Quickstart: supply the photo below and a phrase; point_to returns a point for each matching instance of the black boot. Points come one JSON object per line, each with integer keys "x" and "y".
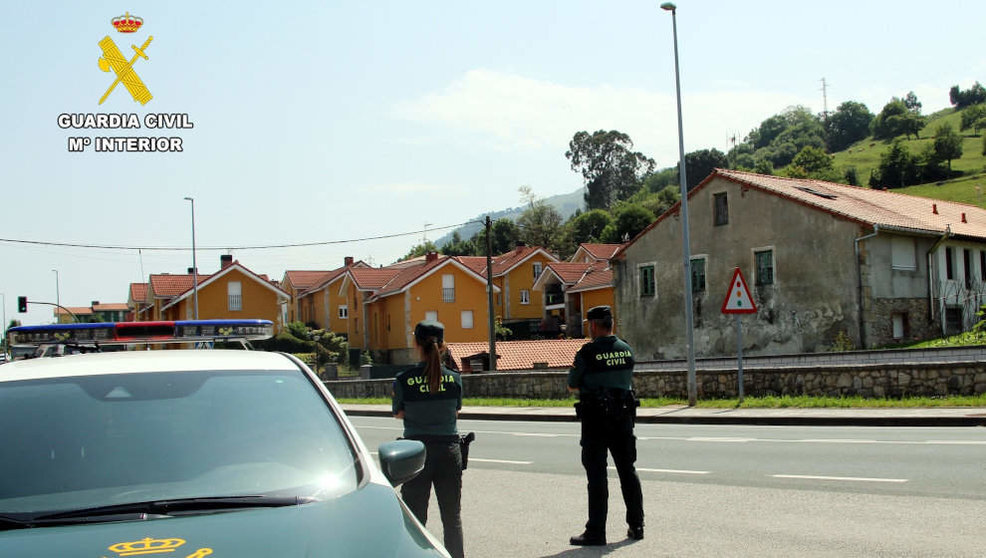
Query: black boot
{"x": 636, "y": 533}
{"x": 588, "y": 538}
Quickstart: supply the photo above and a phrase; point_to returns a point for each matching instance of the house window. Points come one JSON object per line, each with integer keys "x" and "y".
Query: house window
{"x": 949, "y": 264}
{"x": 698, "y": 275}
{"x": 967, "y": 267}
{"x": 647, "y": 286}
{"x": 537, "y": 270}
{"x": 234, "y": 290}
{"x": 764, "y": 260}
{"x": 721, "y": 209}
{"x": 448, "y": 288}
{"x": 982, "y": 265}
{"x": 903, "y": 256}
{"x": 525, "y": 296}
{"x": 343, "y": 312}
{"x": 431, "y": 316}
{"x": 467, "y": 319}
{"x": 899, "y": 326}
{"x": 953, "y": 320}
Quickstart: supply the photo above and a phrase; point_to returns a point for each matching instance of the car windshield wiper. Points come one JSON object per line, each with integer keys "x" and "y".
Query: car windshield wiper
{"x": 168, "y": 507}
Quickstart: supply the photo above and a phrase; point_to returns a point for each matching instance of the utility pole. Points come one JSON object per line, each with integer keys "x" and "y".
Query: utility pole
{"x": 825, "y": 101}
{"x": 489, "y": 291}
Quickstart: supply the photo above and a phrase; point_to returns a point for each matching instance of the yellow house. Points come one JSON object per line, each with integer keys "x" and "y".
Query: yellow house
{"x": 232, "y": 292}
{"x": 391, "y": 300}
{"x": 324, "y": 304}
{"x": 295, "y": 282}
{"x": 162, "y": 288}
{"x": 137, "y": 302}
{"x": 515, "y": 273}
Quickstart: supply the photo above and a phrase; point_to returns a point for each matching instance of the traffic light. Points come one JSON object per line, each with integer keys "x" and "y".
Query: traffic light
{"x": 22, "y": 304}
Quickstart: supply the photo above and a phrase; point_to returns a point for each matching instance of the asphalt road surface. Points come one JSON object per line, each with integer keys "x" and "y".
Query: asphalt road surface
{"x": 727, "y": 490}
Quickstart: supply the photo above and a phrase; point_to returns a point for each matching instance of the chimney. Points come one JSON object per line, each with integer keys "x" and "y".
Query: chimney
{"x": 348, "y": 261}
{"x": 963, "y": 217}
{"x": 96, "y": 302}
{"x": 934, "y": 208}
{"x": 192, "y": 270}
{"x": 520, "y": 245}
{"x": 225, "y": 260}
{"x": 431, "y": 257}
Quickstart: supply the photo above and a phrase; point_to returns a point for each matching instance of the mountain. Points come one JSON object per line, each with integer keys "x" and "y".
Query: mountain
{"x": 565, "y": 204}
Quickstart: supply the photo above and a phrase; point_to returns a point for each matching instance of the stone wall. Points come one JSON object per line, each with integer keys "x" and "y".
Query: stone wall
{"x": 873, "y": 381}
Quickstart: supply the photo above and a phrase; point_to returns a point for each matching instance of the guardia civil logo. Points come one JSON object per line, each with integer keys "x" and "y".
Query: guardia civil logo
{"x": 112, "y": 59}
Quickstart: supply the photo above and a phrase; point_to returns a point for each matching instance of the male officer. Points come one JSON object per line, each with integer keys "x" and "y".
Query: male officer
{"x": 602, "y": 375}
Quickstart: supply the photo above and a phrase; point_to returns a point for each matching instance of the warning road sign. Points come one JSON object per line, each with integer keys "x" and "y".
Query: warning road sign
{"x": 738, "y": 300}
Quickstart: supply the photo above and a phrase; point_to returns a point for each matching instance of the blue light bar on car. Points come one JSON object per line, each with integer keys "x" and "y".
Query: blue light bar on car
{"x": 105, "y": 333}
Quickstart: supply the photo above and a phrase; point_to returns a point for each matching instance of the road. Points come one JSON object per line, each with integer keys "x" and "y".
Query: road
{"x": 729, "y": 490}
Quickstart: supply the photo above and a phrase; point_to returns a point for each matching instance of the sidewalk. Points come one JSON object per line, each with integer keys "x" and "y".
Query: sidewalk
{"x": 934, "y": 416}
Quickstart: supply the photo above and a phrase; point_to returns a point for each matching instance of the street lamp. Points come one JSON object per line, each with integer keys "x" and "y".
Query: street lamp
{"x": 195, "y": 267}
{"x": 686, "y": 250}
{"x": 58, "y": 297}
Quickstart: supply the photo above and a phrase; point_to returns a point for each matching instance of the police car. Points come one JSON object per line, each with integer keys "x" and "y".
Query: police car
{"x": 190, "y": 453}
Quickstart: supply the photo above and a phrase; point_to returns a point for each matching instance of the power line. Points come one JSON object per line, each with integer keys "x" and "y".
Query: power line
{"x": 226, "y": 247}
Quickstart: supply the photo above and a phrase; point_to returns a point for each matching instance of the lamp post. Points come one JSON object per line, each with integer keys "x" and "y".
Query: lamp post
{"x": 58, "y": 297}
{"x": 195, "y": 267}
{"x": 686, "y": 250}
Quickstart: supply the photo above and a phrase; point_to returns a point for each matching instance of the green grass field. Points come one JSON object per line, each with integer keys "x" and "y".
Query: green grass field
{"x": 969, "y": 188}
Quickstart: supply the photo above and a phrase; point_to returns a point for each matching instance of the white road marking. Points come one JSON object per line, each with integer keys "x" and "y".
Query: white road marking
{"x": 534, "y": 435}
{"x": 847, "y": 479}
{"x": 720, "y": 439}
{"x": 670, "y": 471}
{"x": 504, "y": 461}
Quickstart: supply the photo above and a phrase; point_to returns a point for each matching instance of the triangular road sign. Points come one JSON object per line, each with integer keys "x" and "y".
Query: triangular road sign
{"x": 738, "y": 300}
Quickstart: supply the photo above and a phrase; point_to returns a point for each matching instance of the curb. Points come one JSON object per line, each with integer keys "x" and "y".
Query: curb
{"x": 758, "y": 420}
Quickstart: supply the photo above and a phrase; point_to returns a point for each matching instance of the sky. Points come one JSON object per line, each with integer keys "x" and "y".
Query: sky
{"x": 327, "y": 123}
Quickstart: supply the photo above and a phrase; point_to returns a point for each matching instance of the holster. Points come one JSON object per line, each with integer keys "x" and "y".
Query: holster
{"x": 464, "y": 442}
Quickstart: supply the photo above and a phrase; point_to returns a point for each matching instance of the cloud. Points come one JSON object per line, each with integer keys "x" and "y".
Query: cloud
{"x": 515, "y": 112}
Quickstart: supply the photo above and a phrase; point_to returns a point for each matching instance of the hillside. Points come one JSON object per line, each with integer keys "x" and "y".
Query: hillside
{"x": 865, "y": 156}
{"x": 565, "y": 204}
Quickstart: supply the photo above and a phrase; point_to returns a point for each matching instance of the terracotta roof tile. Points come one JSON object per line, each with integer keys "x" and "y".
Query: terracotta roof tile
{"x": 138, "y": 292}
{"x": 475, "y": 263}
{"x": 406, "y": 275}
{"x": 600, "y": 251}
{"x": 77, "y": 310}
{"x": 302, "y": 280}
{"x": 599, "y": 275}
{"x": 569, "y": 272}
{"x": 167, "y": 286}
{"x": 521, "y": 355}
{"x": 373, "y": 278}
{"x": 110, "y": 307}
{"x": 503, "y": 262}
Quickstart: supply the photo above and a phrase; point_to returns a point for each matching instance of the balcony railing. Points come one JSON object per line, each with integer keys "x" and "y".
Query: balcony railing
{"x": 551, "y": 299}
{"x": 235, "y": 302}
{"x": 448, "y": 294}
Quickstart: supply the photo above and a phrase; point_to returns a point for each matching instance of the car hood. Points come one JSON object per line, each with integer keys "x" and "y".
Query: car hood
{"x": 367, "y": 522}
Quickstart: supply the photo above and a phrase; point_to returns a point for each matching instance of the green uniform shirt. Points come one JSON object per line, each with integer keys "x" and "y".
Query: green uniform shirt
{"x": 428, "y": 416}
{"x": 604, "y": 362}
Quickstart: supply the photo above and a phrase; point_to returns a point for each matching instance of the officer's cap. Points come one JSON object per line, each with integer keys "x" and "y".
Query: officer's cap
{"x": 599, "y": 313}
{"x": 429, "y": 328}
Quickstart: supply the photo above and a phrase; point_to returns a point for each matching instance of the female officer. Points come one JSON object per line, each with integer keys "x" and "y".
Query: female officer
{"x": 428, "y": 398}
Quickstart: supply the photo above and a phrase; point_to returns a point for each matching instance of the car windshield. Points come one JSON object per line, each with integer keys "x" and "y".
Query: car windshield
{"x": 80, "y": 442}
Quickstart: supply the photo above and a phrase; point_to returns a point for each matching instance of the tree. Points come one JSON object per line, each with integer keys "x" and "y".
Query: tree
{"x": 912, "y": 103}
{"x": 458, "y": 247}
{"x": 898, "y": 168}
{"x": 629, "y": 221}
{"x": 948, "y": 144}
{"x": 961, "y": 99}
{"x": 611, "y": 169}
{"x": 505, "y": 235}
{"x": 847, "y": 125}
{"x": 896, "y": 119}
{"x": 657, "y": 181}
{"x": 974, "y": 116}
{"x": 812, "y": 162}
{"x": 540, "y": 223}
{"x": 420, "y": 250}
{"x": 589, "y": 226}
{"x": 700, "y": 164}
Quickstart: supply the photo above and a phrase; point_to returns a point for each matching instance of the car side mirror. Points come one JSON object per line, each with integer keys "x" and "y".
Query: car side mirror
{"x": 401, "y": 460}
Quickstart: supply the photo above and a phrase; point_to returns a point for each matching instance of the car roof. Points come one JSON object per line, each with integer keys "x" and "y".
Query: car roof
{"x": 122, "y": 362}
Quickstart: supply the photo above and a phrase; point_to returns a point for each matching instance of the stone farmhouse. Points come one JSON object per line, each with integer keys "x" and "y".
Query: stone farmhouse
{"x": 826, "y": 264}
